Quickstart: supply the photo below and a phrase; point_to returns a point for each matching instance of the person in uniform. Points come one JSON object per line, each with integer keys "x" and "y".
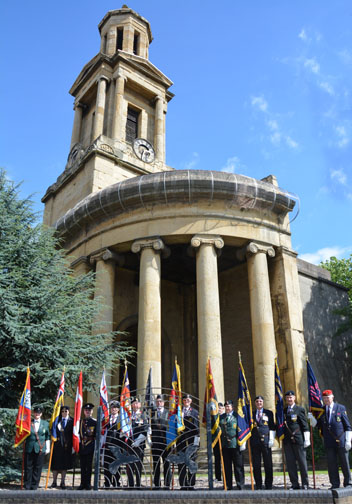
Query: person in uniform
{"x": 112, "y": 439}
{"x": 62, "y": 453}
{"x": 159, "y": 424}
{"x": 37, "y": 445}
{"x": 86, "y": 447}
{"x": 296, "y": 440}
{"x": 231, "y": 451}
{"x": 139, "y": 435}
{"x": 189, "y": 436}
{"x": 262, "y": 440}
{"x": 337, "y": 434}
{"x": 216, "y": 449}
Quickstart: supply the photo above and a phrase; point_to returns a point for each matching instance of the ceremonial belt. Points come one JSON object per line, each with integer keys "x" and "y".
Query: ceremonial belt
{"x": 36, "y": 435}
{"x": 292, "y": 434}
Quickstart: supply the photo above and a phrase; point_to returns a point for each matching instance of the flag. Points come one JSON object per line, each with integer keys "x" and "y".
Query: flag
{"x": 210, "y": 398}
{"x": 314, "y": 395}
{"x": 244, "y": 408}
{"x": 77, "y": 417}
{"x": 57, "y": 408}
{"x": 104, "y": 403}
{"x": 149, "y": 397}
{"x": 23, "y": 420}
{"x": 125, "y": 406}
{"x": 175, "y": 420}
{"x": 279, "y": 403}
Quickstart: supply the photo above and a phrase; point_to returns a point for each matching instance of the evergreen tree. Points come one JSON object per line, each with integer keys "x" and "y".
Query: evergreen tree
{"x": 46, "y": 320}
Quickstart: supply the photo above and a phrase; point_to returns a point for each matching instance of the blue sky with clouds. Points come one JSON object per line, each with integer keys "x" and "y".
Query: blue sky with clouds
{"x": 262, "y": 87}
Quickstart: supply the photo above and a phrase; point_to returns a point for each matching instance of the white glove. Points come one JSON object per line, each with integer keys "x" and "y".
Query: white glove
{"x": 272, "y": 435}
{"x": 138, "y": 441}
{"x": 243, "y": 447}
{"x": 306, "y": 439}
{"x": 47, "y": 446}
{"x": 312, "y": 420}
{"x": 196, "y": 440}
{"x": 348, "y": 440}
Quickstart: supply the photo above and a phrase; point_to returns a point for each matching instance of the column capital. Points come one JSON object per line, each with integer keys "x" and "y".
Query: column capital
{"x": 281, "y": 251}
{"x": 155, "y": 243}
{"x": 79, "y": 261}
{"x": 120, "y": 75}
{"x": 106, "y": 254}
{"x": 78, "y": 104}
{"x": 215, "y": 240}
{"x": 157, "y": 98}
{"x": 103, "y": 77}
{"x": 256, "y": 248}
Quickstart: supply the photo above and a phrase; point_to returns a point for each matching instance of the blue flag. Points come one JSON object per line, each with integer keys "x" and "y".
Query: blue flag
{"x": 175, "y": 420}
{"x": 314, "y": 395}
{"x": 279, "y": 403}
{"x": 244, "y": 409}
{"x": 57, "y": 409}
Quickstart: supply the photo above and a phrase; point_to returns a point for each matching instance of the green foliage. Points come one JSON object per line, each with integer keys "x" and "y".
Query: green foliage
{"x": 341, "y": 272}
{"x": 46, "y": 318}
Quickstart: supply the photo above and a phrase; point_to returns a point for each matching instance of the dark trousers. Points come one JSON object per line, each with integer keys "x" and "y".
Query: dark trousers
{"x": 159, "y": 454}
{"x": 86, "y": 461}
{"x": 334, "y": 455}
{"x": 260, "y": 450}
{"x": 233, "y": 456}
{"x": 217, "y": 462}
{"x": 296, "y": 453}
{"x": 33, "y": 464}
{"x": 109, "y": 478}
{"x": 185, "y": 477}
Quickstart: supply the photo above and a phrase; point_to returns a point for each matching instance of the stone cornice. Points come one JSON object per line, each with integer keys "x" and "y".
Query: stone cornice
{"x": 106, "y": 254}
{"x": 187, "y": 187}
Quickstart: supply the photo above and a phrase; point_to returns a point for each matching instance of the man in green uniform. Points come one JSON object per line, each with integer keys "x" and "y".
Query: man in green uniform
{"x": 37, "y": 445}
{"x": 231, "y": 451}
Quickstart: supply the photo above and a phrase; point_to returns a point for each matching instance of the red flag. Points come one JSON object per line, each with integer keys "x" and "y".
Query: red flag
{"x": 77, "y": 418}
{"x": 23, "y": 420}
{"x": 104, "y": 403}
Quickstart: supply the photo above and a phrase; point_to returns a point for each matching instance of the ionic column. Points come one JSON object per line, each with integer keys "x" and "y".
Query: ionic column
{"x": 105, "y": 262}
{"x": 100, "y": 108}
{"x": 117, "y": 119}
{"x": 208, "y": 311}
{"x": 263, "y": 334}
{"x": 149, "y": 310}
{"x": 77, "y": 124}
{"x": 159, "y": 128}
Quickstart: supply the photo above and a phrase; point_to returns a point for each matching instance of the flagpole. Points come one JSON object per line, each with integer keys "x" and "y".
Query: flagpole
{"x": 23, "y": 455}
{"x": 250, "y": 464}
{"x": 49, "y": 466}
{"x": 222, "y": 464}
{"x": 313, "y": 461}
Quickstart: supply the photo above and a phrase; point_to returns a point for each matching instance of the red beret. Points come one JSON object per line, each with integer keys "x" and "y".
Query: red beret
{"x": 327, "y": 392}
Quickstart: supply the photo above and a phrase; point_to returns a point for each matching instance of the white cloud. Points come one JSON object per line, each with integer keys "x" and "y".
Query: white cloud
{"x": 346, "y": 56}
{"x": 312, "y": 65}
{"x": 291, "y": 143}
{"x": 272, "y": 124}
{"x": 339, "y": 176}
{"x": 325, "y": 253}
{"x": 275, "y": 138}
{"x": 303, "y": 35}
{"x": 260, "y": 103}
{"x": 189, "y": 165}
{"x": 325, "y": 86}
{"x": 233, "y": 165}
{"x": 342, "y": 135}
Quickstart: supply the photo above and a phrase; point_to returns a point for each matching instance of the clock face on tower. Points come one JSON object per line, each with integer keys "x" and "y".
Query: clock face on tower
{"x": 143, "y": 150}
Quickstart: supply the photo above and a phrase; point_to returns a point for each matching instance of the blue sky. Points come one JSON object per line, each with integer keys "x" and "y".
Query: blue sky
{"x": 262, "y": 87}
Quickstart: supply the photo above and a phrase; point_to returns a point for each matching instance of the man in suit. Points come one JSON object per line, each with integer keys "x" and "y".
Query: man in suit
{"x": 112, "y": 439}
{"x": 262, "y": 440}
{"x": 87, "y": 445}
{"x": 159, "y": 424}
{"x": 231, "y": 451}
{"x": 37, "y": 445}
{"x": 296, "y": 440}
{"x": 188, "y": 437}
{"x": 337, "y": 434}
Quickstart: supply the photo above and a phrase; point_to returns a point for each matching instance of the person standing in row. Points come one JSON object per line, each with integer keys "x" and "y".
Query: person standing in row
{"x": 216, "y": 449}
{"x": 37, "y": 445}
{"x": 112, "y": 440}
{"x": 296, "y": 440}
{"x": 189, "y": 436}
{"x": 139, "y": 435}
{"x": 262, "y": 440}
{"x": 232, "y": 452}
{"x": 87, "y": 445}
{"x": 159, "y": 424}
{"x": 62, "y": 453}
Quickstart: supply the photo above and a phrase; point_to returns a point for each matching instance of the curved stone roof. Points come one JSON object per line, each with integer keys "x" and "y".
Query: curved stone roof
{"x": 178, "y": 186}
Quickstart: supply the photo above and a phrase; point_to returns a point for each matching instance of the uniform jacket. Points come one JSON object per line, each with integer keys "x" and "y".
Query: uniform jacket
{"x": 295, "y": 424}
{"x": 87, "y": 432}
{"x": 113, "y": 430}
{"x": 65, "y": 434}
{"x": 159, "y": 426}
{"x": 333, "y": 432}
{"x": 191, "y": 423}
{"x": 228, "y": 424}
{"x": 139, "y": 425}
{"x": 43, "y": 435}
{"x": 260, "y": 432}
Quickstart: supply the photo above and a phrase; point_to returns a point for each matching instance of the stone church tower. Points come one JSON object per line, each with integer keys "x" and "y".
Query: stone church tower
{"x": 191, "y": 263}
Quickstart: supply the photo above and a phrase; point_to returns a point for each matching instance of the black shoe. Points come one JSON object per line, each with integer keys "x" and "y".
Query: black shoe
{"x": 333, "y": 487}
{"x": 53, "y": 484}
{"x": 63, "y": 486}
{"x": 88, "y": 487}
{"x": 294, "y": 488}
{"x": 268, "y": 488}
{"x": 81, "y": 487}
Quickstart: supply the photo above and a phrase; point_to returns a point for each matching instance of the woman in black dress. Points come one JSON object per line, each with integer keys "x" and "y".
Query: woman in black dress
{"x": 62, "y": 454}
